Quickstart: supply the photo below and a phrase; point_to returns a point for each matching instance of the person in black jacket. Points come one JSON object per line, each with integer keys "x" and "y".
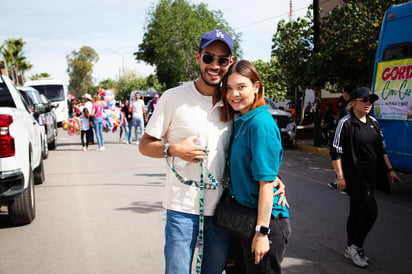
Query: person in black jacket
{"x": 361, "y": 165}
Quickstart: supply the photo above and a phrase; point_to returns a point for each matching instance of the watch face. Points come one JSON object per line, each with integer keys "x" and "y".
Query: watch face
{"x": 264, "y": 230}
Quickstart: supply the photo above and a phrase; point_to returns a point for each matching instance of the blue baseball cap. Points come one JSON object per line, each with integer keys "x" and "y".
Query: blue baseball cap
{"x": 216, "y": 35}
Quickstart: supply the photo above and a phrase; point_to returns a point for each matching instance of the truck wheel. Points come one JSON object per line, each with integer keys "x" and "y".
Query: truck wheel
{"x": 39, "y": 174}
{"x": 45, "y": 150}
{"x": 22, "y": 210}
{"x": 52, "y": 144}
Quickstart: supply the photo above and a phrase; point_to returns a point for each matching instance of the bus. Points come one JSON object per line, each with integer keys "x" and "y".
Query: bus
{"x": 392, "y": 82}
{"x": 56, "y": 92}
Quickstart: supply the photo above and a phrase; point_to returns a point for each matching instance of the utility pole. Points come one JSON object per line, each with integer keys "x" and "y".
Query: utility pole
{"x": 318, "y": 93}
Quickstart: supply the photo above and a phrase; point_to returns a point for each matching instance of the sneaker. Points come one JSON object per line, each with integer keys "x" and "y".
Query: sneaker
{"x": 84, "y": 149}
{"x": 348, "y": 252}
{"x": 343, "y": 192}
{"x": 357, "y": 255}
{"x": 102, "y": 148}
{"x": 333, "y": 184}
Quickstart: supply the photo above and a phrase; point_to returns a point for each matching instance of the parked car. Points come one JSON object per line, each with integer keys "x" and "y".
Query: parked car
{"x": 48, "y": 119}
{"x": 21, "y": 162}
{"x": 285, "y": 122}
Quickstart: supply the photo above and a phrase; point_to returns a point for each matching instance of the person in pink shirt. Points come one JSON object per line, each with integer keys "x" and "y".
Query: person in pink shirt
{"x": 97, "y": 113}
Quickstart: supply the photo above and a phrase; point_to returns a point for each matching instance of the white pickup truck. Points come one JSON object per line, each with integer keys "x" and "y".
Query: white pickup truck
{"x": 21, "y": 162}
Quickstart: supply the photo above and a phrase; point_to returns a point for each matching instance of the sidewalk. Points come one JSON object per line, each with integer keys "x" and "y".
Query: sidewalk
{"x": 304, "y": 141}
{"x": 307, "y": 145}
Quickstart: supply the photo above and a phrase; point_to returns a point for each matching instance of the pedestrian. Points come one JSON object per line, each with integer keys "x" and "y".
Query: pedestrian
{"x": 87, "y": 103}
{"x": 361, "y": 165}
{"x": 254, "y": 168}
{"x": 85, "y": 128}
{"x": 97, "y": 113}
{"x": 343, "y": 107}
{"x": 138, "y": 117}
{"x": 182, "y": 118}
{"x": 127, "y": 121}
{"x": 329, "y": 124}
{"x": 124, "y": 126}
{"x": 152, "y": 106}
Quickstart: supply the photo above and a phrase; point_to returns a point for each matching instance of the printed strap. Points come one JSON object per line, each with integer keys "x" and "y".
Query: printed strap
{"x": 202, "y": 186}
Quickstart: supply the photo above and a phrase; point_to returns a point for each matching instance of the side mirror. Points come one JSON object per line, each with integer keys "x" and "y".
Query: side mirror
{"x": 40, "y": 108}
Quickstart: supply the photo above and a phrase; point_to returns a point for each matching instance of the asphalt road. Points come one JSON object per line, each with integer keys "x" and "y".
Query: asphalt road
{"x": 101, "y": 212}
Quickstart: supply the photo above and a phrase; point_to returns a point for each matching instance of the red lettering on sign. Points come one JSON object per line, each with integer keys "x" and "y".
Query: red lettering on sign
{"x": 397, "y": 73}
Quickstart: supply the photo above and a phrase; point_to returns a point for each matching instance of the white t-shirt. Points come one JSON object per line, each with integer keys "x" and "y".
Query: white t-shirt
{"x": 138, "y": 109}
{"x": 180, "y": 113}
{"x": 84, "y": 123}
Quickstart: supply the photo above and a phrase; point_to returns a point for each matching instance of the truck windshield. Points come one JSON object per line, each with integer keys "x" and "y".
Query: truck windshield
{"x": 53, "y": 92}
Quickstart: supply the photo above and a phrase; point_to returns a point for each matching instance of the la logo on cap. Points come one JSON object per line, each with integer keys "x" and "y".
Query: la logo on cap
{"x": 219, "y": 34}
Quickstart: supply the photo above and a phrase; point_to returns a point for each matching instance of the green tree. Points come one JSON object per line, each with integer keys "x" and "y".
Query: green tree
{"x": 130, "y": 82}
{"x": 172, "y": 36}
{"x": 80, "y": 69}
{"x": 348, "y": 41}
{"x": 292, "y": 50}
{"x": 108, "y": 84}
{"x": 40, "y": 76}
{"x": 15, "y": 61}
{"x": 273, "y": 83}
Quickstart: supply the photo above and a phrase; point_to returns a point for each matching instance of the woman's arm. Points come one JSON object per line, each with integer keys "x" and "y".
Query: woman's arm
{"x": 260, "y": 242}
{"x": 337, "y": 165}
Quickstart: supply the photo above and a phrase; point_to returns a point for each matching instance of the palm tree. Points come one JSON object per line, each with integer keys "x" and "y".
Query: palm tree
{"x": 15, "y": 61}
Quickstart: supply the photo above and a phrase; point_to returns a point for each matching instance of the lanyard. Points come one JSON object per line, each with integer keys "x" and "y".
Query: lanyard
{"x": 202, "y": 186}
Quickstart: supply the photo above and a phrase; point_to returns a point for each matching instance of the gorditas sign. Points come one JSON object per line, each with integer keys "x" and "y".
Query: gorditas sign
{"x": 394, "y": 88}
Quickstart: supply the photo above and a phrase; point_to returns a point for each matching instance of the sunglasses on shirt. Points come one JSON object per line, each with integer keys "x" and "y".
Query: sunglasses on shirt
{"x": 223, "y": 61}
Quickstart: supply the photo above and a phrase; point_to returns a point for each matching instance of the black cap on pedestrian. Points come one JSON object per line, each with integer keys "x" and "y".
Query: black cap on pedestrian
{"x": 362, "y": 93}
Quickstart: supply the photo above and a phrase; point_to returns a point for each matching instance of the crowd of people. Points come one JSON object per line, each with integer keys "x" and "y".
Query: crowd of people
{"x": 100, "y": 113}
{"x": 218, "y": 127}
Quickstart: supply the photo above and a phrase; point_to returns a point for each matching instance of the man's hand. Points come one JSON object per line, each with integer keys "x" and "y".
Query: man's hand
{"x": 281, "y": 192}
{"x": 187, "y": 150}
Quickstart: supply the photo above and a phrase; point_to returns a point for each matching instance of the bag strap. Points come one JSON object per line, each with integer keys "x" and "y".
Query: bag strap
{"x": 202, "y": 186}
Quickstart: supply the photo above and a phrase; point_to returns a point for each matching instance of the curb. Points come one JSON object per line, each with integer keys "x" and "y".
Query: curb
{"x": 317, "y": 150}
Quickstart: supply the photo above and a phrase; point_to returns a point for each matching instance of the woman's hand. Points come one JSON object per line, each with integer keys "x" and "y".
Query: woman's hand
{"x": 341, "y": 184}
{"x": 394, "y": 177}
{"x": 260, "y": 246}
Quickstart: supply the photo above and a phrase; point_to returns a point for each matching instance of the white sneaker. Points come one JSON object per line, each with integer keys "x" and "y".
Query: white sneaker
{"x": 84, "y": 149}
{"x": 102, "y": 148}
{"x": 357, "y": 255}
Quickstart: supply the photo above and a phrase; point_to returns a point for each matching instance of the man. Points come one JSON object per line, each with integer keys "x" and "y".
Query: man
{"x": 188, "y": 118}
{"x": 138, "y": 114}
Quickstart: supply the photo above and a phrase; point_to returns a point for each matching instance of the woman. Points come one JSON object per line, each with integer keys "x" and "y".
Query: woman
{"x": 254, "y": 168}
{"x": 97, "y": 113}
{"x": 361, "y": 165}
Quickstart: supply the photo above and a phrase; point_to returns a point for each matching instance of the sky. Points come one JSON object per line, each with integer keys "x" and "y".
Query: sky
{"x": 52, "y": 29}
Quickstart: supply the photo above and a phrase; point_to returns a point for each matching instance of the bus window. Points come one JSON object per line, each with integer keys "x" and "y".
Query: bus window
{"x": 397, "y": 51}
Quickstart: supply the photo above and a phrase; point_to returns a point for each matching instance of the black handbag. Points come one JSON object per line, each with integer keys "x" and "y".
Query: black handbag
{"x": 235, "y": 219}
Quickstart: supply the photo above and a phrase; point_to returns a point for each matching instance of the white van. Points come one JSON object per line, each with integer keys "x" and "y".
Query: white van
{"x": 56, "y": 92}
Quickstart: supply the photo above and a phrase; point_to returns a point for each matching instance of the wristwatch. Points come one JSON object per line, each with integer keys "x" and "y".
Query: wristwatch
{"x": 262, "y": 229}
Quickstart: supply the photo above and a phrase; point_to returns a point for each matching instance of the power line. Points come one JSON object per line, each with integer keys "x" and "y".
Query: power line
{"x": 268, "y": 19}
